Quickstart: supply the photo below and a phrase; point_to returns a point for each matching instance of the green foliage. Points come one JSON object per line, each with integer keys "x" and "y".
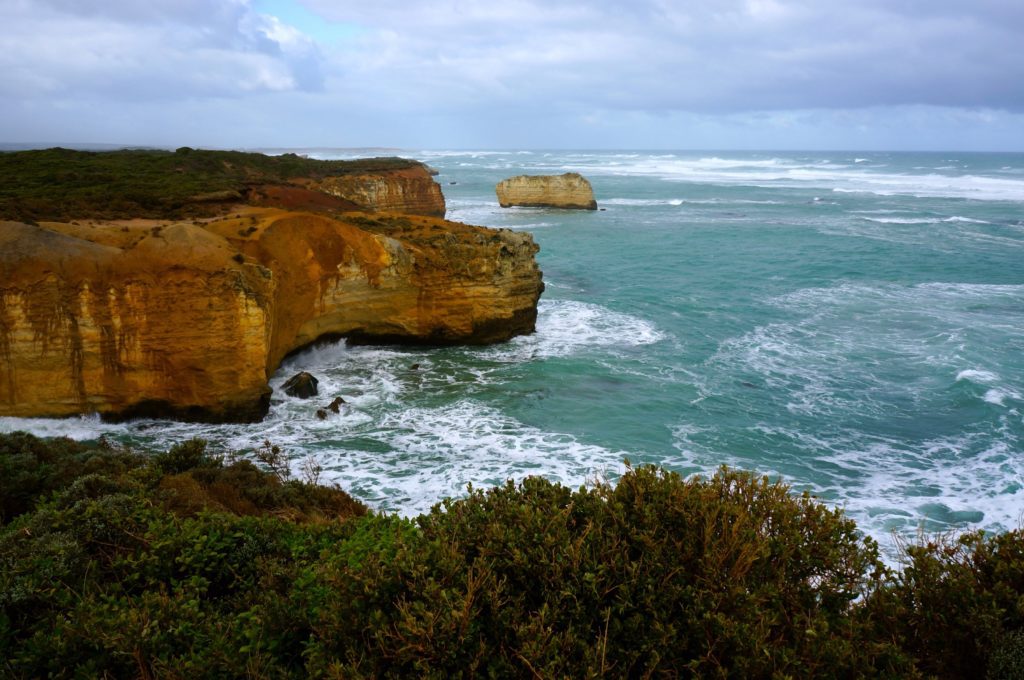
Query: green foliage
{"x": 1007, "y": 659}
{"x": 114, "y": 564}
{"x": 956, "y": 601}
{"x": 32, "y": 468}
{"x": 730, "y": 576}
{"x": 103, "y": 573}
{"x": 184, "y": 456}
{"x": 148, "y": 182}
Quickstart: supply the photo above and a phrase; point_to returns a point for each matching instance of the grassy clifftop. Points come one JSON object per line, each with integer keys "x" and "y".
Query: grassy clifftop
{"x": 62, "y": 184}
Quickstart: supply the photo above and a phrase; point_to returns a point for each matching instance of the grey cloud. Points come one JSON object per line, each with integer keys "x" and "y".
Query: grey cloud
{"x": 653, "y": 73}
{"x": 708, "y": 55}
{"x": 159, "y": 49}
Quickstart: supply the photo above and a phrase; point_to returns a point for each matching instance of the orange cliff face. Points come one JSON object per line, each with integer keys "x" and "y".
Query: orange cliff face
{"x": 409, "y": 190}
{"x": 168, "y": 325}
{"x": 189, "y": 320}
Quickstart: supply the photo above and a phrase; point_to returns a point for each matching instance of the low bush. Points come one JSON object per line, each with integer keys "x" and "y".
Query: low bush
{"x": 149, "y": 183}
{"x": 729, "y": 576}
{"x": 958, "y": 604}
{"x": 115, "y": 564}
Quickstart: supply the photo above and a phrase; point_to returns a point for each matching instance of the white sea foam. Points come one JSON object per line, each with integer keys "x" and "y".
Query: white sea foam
{"x": 566, "y": 327}
{"x": 857, "y": 176}
{"x": 958, "y": 218}
{"x": 78, "y": 427}
{"x": 977, "y": 376}
{"x": 793, "y": 173}
{"x": 426, "y": 153}
{"x": 641, "y": 202}
{"x": 892, "y": 487}
{"x": 432, "y": 453}
{"x": 881, "y": 211}
{"x": 877, "y": 352}
{"x": 899, "y": 220}
{"x": 999, "y": 396}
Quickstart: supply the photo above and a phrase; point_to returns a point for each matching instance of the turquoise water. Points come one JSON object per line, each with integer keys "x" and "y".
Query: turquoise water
{"x": 851, "y": 324}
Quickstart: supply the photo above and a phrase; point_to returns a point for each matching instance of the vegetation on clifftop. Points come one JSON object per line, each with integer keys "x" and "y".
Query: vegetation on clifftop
{"x": 115, "y": 564}
{"x": 62, "y": 184}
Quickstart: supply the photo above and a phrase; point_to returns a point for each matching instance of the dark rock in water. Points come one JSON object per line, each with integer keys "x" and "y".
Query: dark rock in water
{"x": 452, "y": 183}
{"x": 336, "y": 404}
{"x": 301, "y": 385}
{"x": 602, "y": 209}
{"x": 414, "y": 367}
{"x": 321, "y": 414}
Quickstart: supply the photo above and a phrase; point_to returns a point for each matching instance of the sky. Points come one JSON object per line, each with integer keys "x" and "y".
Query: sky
{"x": 515, "y": 74}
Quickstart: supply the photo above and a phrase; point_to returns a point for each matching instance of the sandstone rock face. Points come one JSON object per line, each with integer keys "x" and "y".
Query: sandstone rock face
{"x": 570, "y": 190}
{"x": 411, "y": 190}
{"x": 172, "y": 326}
{"x": 189, "y": 321}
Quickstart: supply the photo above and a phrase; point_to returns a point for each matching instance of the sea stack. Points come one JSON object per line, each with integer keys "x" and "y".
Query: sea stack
{"x": 571, "y": 190}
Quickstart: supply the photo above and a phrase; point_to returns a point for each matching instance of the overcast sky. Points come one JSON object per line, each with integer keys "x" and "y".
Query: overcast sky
{"x": 652, "y": 74}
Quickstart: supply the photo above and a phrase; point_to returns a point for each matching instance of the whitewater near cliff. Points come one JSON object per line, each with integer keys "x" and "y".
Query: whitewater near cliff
{"x": 852, "y": 323}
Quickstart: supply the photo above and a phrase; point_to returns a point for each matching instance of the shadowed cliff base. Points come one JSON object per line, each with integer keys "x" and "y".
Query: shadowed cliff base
{"x": 150, "y": 317}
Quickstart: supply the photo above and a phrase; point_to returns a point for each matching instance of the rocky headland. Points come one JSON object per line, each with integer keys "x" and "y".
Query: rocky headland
{"x": 570, "y": 190}
{"x": 187, "y": 316}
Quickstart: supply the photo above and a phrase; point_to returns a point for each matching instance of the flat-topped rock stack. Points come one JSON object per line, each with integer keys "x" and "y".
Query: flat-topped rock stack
{"x": 570, "y": 190}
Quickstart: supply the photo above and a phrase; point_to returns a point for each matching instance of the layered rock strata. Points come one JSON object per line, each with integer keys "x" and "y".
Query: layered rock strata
{"x": 188, "y": 320}
{"x": 410, "y": 190}
{"x": 570, "y": 190}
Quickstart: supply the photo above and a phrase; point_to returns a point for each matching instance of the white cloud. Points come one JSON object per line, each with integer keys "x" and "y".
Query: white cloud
{"x": 514, "y": 73}
{"x": 163, "y": 50}
{"x": 703, "y": 55}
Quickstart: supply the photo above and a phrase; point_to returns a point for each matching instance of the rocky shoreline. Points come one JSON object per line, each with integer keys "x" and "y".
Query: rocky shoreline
{"x": 187, "y": 319}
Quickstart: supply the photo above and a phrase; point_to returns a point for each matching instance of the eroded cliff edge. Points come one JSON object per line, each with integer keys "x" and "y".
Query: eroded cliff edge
{"x": 188, "y": 318}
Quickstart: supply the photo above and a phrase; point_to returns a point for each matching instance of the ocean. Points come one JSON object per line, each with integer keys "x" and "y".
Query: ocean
{"x": 852, "y": 324}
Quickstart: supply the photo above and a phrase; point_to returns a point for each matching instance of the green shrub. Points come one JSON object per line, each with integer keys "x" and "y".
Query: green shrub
{"x": 114, "y": 564}
{"x": 1007, "y": 659}
{"x": 730, "y": 576}
{"x": 101, "y": 575}
{"x": 955, "y": 602}
{"x": 185, "y": 456}
{"x": 32, "y": 468}
{"x": 149, "y": 183}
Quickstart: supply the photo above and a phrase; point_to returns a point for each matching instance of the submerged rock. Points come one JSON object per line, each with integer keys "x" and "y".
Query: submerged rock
{"x": 570, "y": 190}
{"x": 302, "y": 385}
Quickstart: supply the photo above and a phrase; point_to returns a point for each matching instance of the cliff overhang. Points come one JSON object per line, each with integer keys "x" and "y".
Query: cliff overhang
{"x": 188, "y": 318}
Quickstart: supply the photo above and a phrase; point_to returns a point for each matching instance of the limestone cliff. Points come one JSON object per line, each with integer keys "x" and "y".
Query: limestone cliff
{"x": 570, "y": 190}
{"x": 410, "y": 190}
{"x": 188, "y": 320}
{"x": 168, "y": 325}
